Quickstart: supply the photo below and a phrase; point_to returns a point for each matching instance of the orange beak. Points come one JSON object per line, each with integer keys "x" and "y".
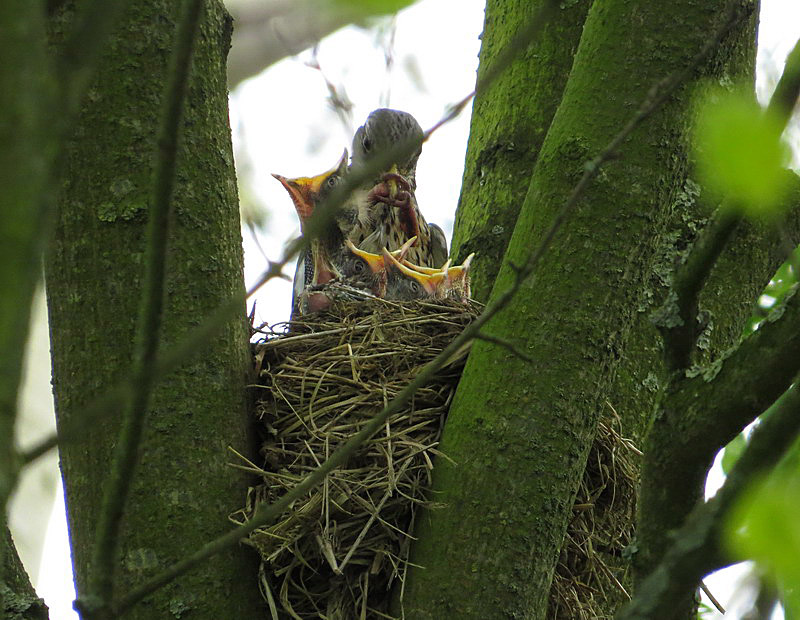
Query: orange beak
{"x": 305, "y": 191}
{"x": 374, "y": 261}
{"x": 429, "y": 282}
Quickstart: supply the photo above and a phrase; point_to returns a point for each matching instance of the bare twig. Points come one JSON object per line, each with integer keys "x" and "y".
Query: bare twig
{"x": 505, "y": 344}
{"x": 678, "y": 317}
{"x": 518, "y": 44}
{"x": 39, "y": 129}
{"x": 784, "y": 98}
{"x": 712, "y": 598}
{"x": 150, "y": 318}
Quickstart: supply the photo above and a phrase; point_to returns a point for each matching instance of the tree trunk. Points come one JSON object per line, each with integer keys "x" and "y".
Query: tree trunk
{"x": 509, "y": 122}
{"x": 519, "y": 432}
{"x": 184, "y": 488}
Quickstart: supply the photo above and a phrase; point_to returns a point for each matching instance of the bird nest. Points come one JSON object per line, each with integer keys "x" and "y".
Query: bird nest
{"x": 338, "y": 551}
{"x": 592, "y": 571}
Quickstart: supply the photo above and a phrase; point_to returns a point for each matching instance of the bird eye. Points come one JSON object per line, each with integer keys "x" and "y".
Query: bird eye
{"x": 332, "y": 180}
{"x": 358, "y": 267}
{"x": 415, "y": 287}
{"x": 366, "y": 143}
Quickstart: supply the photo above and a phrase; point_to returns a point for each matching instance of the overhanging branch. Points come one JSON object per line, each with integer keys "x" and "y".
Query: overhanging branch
{"x": 697, "y": 548}
{"x": 678, "y": 317}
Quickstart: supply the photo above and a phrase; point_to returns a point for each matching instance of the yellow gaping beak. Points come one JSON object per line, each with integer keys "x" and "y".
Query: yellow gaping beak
{"x": 304, "y": 191}
{"x": 429, "y": 282}
{"x": 298, "y": 192}
{"x": 428, "y": 270}
{"x": 374, "y": 261}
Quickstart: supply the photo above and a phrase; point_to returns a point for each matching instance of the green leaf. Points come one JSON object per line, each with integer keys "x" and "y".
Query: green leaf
{"x": 739, "y": 153}
{"x": 764, "y": 526}
{"x": 732, "y": 452}
{"x": 367, "y": 8}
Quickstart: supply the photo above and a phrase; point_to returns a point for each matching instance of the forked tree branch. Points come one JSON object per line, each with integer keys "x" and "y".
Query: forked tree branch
{"x": 697, "y": 547}
{"x": 678, "y": 316}
{"x": 700, "y": 413}
{"x": 656, "y": 96}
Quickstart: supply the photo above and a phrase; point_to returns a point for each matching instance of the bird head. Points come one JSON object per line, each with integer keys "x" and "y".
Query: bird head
{"x": 405, "y": 283}
{"x": 307, "y": 192}
{"x": 456, "y": 282}
{"x": 384, "y": 131}
{"x": 369, "y": 269}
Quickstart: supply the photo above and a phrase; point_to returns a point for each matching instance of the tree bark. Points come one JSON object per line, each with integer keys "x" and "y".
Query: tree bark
{"x": 507, "y": 129}
{"x": 18, "y": 599}
{"x": 519, "y": 432}
{"x": 183, "y": 489}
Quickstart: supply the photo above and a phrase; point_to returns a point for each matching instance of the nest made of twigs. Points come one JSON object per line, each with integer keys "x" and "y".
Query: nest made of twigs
{"x": 338, "y": 551}
{"x": 592, "y": 575}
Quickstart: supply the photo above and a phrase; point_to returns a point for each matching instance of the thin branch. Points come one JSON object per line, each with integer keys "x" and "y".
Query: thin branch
{"x": 505, "y": 344}
{"x": 697, "y": 548}
{"x": 678, "y": 317}
{"x": 120, "y": 478}
{"x": 264, "y": 515}
{"x": 519, "y": 43}
{"x": 49, "y": 113}
{"x": 712, "y": 598}
{"x": 787, "y": 91}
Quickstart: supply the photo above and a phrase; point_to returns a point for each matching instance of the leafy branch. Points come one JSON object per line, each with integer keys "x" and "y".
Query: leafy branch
{"x": 707, "y": 408}
{"x": 696, "y": 550}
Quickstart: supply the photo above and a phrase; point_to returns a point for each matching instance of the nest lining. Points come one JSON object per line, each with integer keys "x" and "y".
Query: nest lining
{"x": 339, "y": 551}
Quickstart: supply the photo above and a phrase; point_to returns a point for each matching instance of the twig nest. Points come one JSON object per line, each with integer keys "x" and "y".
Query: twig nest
{"x": 337, "y": 552}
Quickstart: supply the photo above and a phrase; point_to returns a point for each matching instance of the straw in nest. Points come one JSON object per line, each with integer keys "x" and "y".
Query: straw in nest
{"x": 339, "y": 550}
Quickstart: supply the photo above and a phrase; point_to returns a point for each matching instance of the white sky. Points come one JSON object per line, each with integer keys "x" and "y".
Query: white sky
{"x": 290, "y": 130}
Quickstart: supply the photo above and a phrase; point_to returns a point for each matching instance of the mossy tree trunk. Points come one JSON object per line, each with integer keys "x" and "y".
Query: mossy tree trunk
{"x": 183, "y": 489}
{"x": 519, "y": 432}
{"x": 509, "y": 123}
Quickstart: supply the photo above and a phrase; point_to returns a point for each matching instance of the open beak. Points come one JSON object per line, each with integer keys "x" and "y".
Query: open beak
{"x": 374, "y": 261}
{"x": 299, "y": 193}
{"x": 429, "y": 282}
{"x": 304, "y": 191}
{"x": 324, "y": 271}
{"x": 428, "y": 270}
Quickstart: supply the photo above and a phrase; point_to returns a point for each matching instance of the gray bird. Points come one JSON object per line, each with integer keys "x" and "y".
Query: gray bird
{"x": 386, "y": 215}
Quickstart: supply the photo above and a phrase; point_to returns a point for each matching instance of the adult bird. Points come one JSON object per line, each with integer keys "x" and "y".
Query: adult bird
{"x": 384, "y": 211}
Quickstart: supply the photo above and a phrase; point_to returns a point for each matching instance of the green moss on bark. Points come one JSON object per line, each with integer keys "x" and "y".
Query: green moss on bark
{"x": 184, "y": 489}
{"x": 519, "y": 433}
{"x": 509, "y": 122}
